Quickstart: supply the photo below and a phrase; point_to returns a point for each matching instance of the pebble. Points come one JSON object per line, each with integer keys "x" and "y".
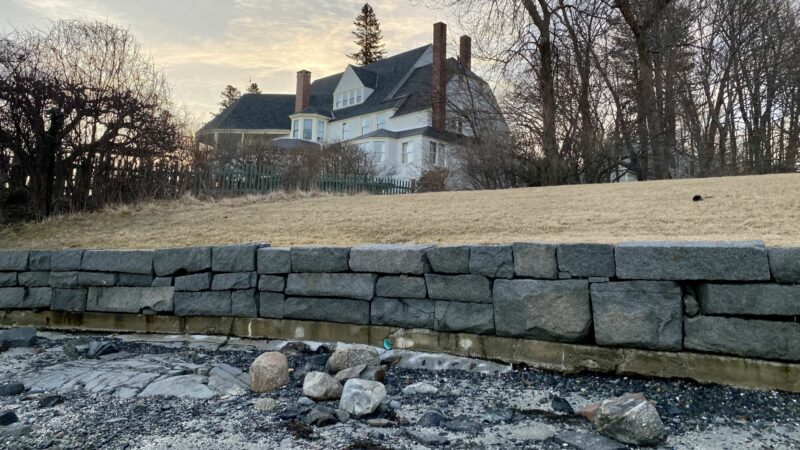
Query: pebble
{"x": 11, "y": 389}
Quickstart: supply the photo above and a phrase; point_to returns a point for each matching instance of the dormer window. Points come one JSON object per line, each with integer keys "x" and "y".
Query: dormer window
{"x": 349, "y": 98}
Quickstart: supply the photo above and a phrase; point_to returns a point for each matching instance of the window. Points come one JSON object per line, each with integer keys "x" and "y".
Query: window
{"x": 379, "y": 151}
{"x": 408, "y": 152}
{"x": 436, "y": 157}
{"x": 441, "y": 156}
{"x": 380, "y": 121}
{"x": 352, "y": 98}
{"x": 320, "y": 131}
{"x": 432, "y": 155}
{"x": 338, "y": 101}
{"x": 365, "y": 124}
{"x": 358, "y": 95}
{"x": 295, "y": 128}
{"x": 307, "y": 129}
{"x": 345, "y": 131}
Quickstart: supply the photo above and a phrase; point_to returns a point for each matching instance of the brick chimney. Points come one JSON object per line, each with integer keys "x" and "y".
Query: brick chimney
{"x": 439, "y": 88}
{"x": 302, "y": 96}
{"x": 465, "y": 52}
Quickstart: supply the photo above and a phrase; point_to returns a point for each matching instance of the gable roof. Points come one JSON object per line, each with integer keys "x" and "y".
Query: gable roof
{"x": 255, "y": 112}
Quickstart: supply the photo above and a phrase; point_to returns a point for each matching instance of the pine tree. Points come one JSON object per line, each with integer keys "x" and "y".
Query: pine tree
{"x": 252, "y": 88}
{"x": 368, "y": 37}
{"x": 229, "y": 96}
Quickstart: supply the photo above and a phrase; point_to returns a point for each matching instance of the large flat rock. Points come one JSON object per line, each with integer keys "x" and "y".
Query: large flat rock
{"x": 348, "y": 285}
{"x": 171, "y": 261}
{"x": 586, "y": 260}
{"x": 320, "y": 259}
{"x": 402, "y": 312}
{"x": 128, "y": 261}
{"x": 744, "y": 337}
{"x": 460, "y": 288}
{"x": 130, "y": 299}
{"x": 390, "y": 258}
{"x": 327, "y": 309}
{"x": 756, "y": 299}
{"x": 477, "y": 318}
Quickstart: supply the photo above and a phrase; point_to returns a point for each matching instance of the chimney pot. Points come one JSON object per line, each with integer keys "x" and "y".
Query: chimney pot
{"x": 302, "y": 98}
{"x": 439, "y": 69}
{"x": 465, "y": 52}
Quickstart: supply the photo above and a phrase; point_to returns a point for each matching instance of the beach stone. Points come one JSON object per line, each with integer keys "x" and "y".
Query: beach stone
{"x": 270, "y": 304}
{"x": 588, "y": 441}
{"x": 234, "y": 280}
{"x": 494, "y": 261}
{"x": 13, "y": 260}
{"x": 759, "y": 299}
{"x": 34, "y": 279}
{"x": 320, "y": 416}
{"x": 630, "y": 419}
{"x": 348, "y": 285}
{"x": 173, "y": 261}
{"x": 7, "y": 418}
{"x": 12, "y": 297}
{"x": 320, "y": 259}
{"x": 234, "y": 258}
{"x": 361, "y": 397}
{"x": 274, "y": 260}
{"x": 130, "y": 299}
{"x": 535, "y": 260}
{"x": 128, "y": 261}
{"x": 477, "y": 318}
{"x": 351, "y": 355}
{"x": 8, "y": 279}
{"x": 271, "y": 283}
{"x": 449, "y": 259}
{"x": 402, "y": 312}
{"x": 460, "y": 288}
{"x": 390, "y": 258}
{"x": 244, "y": 303}
{"x": 401, "y": 287}
{"x": 321, "y": 386}
{"x": 69, "y": 300}
{"x": 784, "y": 262}
{"x": 269, "y": 371}
{"x": 9, "y": 389}
{"x": 193, "y": 283}
{"x": 18, "y": 337}
{"x": 339, "y": 310}
{"x": 266, "y": 404}
{"x": 743, "y": 337}
{"x": 586, "y": 260}
{"x": 350, "y": 372}
{"x": 208, "y": 303}
{"x": 420, "y": 388}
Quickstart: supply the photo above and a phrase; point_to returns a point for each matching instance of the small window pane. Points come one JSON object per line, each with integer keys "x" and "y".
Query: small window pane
{"x": 358, "y": 96}
{"x": 352, "y": 97}
{"x": 345, "y": 131}
{"x": 381, "y": 121}
{"x": 295, "y": 128}
{"x": 320, "y": 131}
{"x": 378, "y": 150}
{"x": 307, "y": 128}
{"x": 408, "y": 152}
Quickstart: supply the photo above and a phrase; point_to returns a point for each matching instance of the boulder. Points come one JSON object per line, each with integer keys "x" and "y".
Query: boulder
{"x": 352, "y": 355}
{"x": 586, "y": 260}
{"x": 449, "y": 259}
{"x": 756, "y": 299}
{"x": 459, "y": 288}
{"x": 361, "y": 397}
{"x": 269, "y": 371}
{"x": 270, "y": 304}
{"x": 171, "y": 261}
{"x": 234, "y": 280}
{"x": 390, "y": 258}
{"x": 19, "y": 337}
{"x": 34, "y": 279}
{"x": 10, "y": 389}
{"x": 234, "y": 258}
{"x": 69, "y": 300}
{"x": 8, "y": 279}
{"x": 320, "y": 259}
{"x": 340, "y": 310}
{"x": 13, "y": 260}
{"x": 359, "y": 286}
{"x": 272, "y": 283}
{"x": 207, "y": 303}
{"x": 8, "y": 417}
{"x": 130, "y": 299}
{"x": 743, "y": 337}
{"x": 494, "y": 261}
{"x": 63, "y": 279}
{"x": 535, "y": 260}
{"x": 401, "y": 287}
{"x": 477, "y": 318}
{"x": 96, "y": 279}
{"x": 244, "y": 303}
{"x": 142, "y": 280}
{"x": 127, "y": 261}
{"x": 274, "y": 260}
{"x": 630, "y": 419}
{"x": 784, "y": 262}
{"x": 321, "y": 386}
{"x": 12, "y": 297}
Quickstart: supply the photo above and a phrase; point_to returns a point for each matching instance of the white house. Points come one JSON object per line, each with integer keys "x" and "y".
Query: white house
{"x": 396, "y": 109}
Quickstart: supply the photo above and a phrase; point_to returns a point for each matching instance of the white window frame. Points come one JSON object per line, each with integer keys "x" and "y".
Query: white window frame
{"x": 407, "y": 152}
{"x": 295, "y": 128}
{"x": 380, "y": 121}
{"x": 359, "y": 95}
{"x": 380, "y": 156}
{"x": 320, "y": 130}
{"x": 352, "y": 96}
{"x": 365, "y": 125}
{"x": 310, "y": 129}
{"x": 345, "y": 131}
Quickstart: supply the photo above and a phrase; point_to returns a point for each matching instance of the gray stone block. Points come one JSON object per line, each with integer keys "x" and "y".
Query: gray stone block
{"x": 21, "y": 298}
{"x": 96, "y": 279}
{"x": 171, "y": 261}
{"x": 38, "y": 298}
{"x": 134, "y": 280}
{"x": 12, "y": 297}
{"x": 234, "y": 258}
{"x": 586, "y": 260}
{"x": 18, "y": 337}
{"x": 130, "y": 299}
{"x": 161, "y": 282}
{"x": 535, "y": 260}
{"x": 547, "y": 310}
{"x": 785, "y": 264}
{"x": 390, "y": 258}
{"x": 272, "y": 283}
{"x": 274, "y": 260}
{"x": 8, "y": 279}
{"x": 69, "y": 300}
{"x": 34, "y": 279}
{"x": 494, "y": 261}
{"x": 270, "y": 304}
{"x": 709, "y": 261}
{"x": 56, "y": 260}
{"x": 349, "y": 285}
{"x": 476, "y": 318}
{"x": 402, "y": 312}
{"x": 320, "y": 259}
{"x": 208, "y": 303}
{"x": 639, "y": 314}
{"x": 193, "y": 283}
{"x": 743, "y": 337}
{"x": 327, "y": 309}
{"x": 244, "y": 304}
{"x": 234, "y": 280}
{"x": 13, "y": 260}
{"x": 401, "y": 287}
{"x": 127, "y": 261}
{"x": 449, "y": 259}
{"x": 63, "y": 279}
{"x": 461, "y": 288}
{"x": 39, "y": 260}
{"x": 759, "y": 299}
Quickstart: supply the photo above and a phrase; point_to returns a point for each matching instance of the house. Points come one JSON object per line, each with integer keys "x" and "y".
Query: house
{"x": 403, "y": 110}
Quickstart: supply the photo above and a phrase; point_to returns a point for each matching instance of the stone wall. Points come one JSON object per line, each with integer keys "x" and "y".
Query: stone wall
{"x": 731, "y": 298}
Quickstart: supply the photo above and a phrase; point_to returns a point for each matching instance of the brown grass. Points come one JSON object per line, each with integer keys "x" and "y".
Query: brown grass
{"x": 755, "y": 207}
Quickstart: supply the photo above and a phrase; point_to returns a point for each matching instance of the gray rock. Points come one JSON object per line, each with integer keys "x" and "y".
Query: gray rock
{"x": 266, "y": 404}
{"x": 630, "y": 419}
{"x": 58, "y": 260}
{"x": 69, "y": 300}
{"x": 138, "y": 280}
{"x": 130, "y": 299}
{"x": 401, "y": 287}
{"x": 39, "y": 260}
{"x": 234, "y": 280}
{"x": 234, "y": 258}
{"x": 319, "y": 416}
{"x": 15, "y": 430}
{"x": 182, "y": 386}
{"x": 349, "y": 285}
{"x": 9, "y": 389}
{"x": 548, "y": 310}
{"x": 321, "y": 386}
{"x": 586, "y": 260}
{"x": 588, "y": 441}
{"x": 432, "y": 418}
{"x": 349, "y": 373}
{"x": 208, "y": 303}
{"x": 420, "y": 388}
{"x": 8, "y": 279}
{"x": 19, "y": 337}
{"x": 244, "y": 304}
{"x": 502, "y": 415}
{"x": 461, "y": 288}
{"x": 270, "y": 304}
{"x": 599, "y": 279}
{"x": 361, "y": 397}
{"x": 34, "y": 279}
{"x": 274, "y": 260}
{"x": 535, "y": 260}
{"x": 97, "y": 349}
{"x": 494, "y": 261}
{"x": 743, "y": 337}
{"x": 320, "y": 259}
{"x": 327, "y": 309}
{"x": 477, "y": 318}
{"x": 759, "y": 299}
{"x": 193, "y": 283}
{"x": 640, "y": 314}
{"x": 127, "y": 261}
{"x": 271, "y": 283}
{"x": 463, "y": 424}
{"x": 709, "y": 261}
{"x": 171, "y": 261}
{"x": 13, "y": 260}
{"x": 159, "y": 282}
{"x": 39, "y": 297}
{"x": 449, "y": 259}
{"x": 691, "y": 307}
{"x": 352, "y": 355}
{"x": 404, "y": 313}
{"x": 12, "y": 297}
{"x": 96, "y": 279}
{"x": 63, "y": 279}
{"x": 784, "y": 262}
{"x": 75, "y": 348}
{"x": 269, "y": 371}
{"x": 390, "y": 258}
{"x": 7, "y": 418}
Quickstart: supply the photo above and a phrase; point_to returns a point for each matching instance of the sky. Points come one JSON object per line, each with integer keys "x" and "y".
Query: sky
{"x": 204, "y": 45}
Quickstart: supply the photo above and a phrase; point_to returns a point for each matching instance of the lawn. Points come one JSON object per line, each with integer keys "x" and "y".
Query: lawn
{"x": 753, "y": 207}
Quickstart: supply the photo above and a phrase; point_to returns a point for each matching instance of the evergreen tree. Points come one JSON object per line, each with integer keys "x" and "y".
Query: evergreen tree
{"x": 229, "y": 96}
{"x": 368, "y": 37}
{"x": 252, "y": 88}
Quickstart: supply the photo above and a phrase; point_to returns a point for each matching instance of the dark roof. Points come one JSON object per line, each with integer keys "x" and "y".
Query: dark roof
{"x": 293, "y": 144}
{"x": 368, "y": 78}
{"x": 255, "y": 112}
{"x": 422, "y": 131}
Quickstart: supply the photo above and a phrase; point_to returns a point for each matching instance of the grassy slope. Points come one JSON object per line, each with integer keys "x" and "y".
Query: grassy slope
{"x": 756, "y": 207}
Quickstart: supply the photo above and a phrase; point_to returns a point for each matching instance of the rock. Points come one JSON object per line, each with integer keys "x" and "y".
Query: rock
{"x": 402, "y": 312}
{"x": 379, "y": 423}
{"x": 305, "y": 402}
{"x": 126, "y": 261}
{"x": 432, "y": 418}
{"x": 561, "y": 406}
{"x": 34, "y": 279}
{"x": 181, "y": 386}
{"x": 320, "y": 259}
{"x": 463, "y": 425}
{"x": 390, "y": 258}
{"x": 321, "y": 386}
{"x": 13, "y": 260}
{"x": 503, "y": 415}
{"x": 12, "y": 298}
{"x": 18, "y": 337}
{"x": 361, "y": 397}
{"x": 373, "y": 373}
{"x": 459, "y": 288}
{"x": 691, "y": 307}
{"x": 97, "y": 279}
{"x": 8, "y": 279}
{"x": 477, "y": 318}
{"x": 347, "y": 356}
{"x": 50, "y": 400}
{"x": 3, "y": 346}
{"x": 349, "y": 373}
{"x": 401, "y": 287}
{"x": 269, "y": 371}
{"x": 320, "y": 416}
{"x": 784, "y": 262}
{"x": 141, "y": 280}
{"x": 427, "y": 438}
{"x": 449, "y": 259}
{"x": 359, "y": 286}
{"x": 630, "y": 419}
{"x": 75, "y": 348}
{"x": 15, "y": 430}
{"x": 171, "y": 261}
{"x": 8, "y": 417}
{"x": 207, "y": 303}
{"x": 743, "y": 337}
{"x": 274, "y": 260}
{"x": 193, "y": 283}
{"x": 586, "y": 260}
{"x": 342, "y": 415}
{"x": 234, "y": 280}
{"x": 130, "y": 299}
{"x": 244, "y": 303}
{"x": 270, "y": 304}
{"x": 340, "y": 310}
{"x": 421, "y": 388}
{"x": 234, "y": 258}
{"x": 588, "y": 441}
{"x": 10, "y": 389}
{"x": 493, "y": 261}
{"x": 273, "y": 283}
{"x": 319, "y": 360}
{"x": 757, "y": 299}
{"x": 63, "y": 279}
{"x": 535, "y": 260}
